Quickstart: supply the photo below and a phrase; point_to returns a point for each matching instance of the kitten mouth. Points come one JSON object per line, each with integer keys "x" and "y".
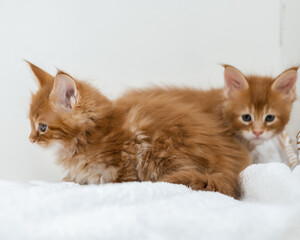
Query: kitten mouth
{"x": 257, "y": 140}
{"x": 42, "y": 144}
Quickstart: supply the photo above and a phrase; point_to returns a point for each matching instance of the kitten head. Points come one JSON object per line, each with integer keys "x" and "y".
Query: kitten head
{"x": 63, "y": 108}
{"x": 257, "y": 108}
{"x": 52, "y": 107}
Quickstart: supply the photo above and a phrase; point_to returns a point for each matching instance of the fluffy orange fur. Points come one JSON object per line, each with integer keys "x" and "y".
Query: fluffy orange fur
{"x": 242, "y": 95}
{"x": 150, "y": 135}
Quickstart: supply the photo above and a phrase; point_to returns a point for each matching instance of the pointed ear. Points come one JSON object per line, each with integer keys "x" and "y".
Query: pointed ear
{"x": 285, "y": 83}
{"x": 41, "y": 76}
{"x": 64, "y": 93}
{"x": 235, "y": 81}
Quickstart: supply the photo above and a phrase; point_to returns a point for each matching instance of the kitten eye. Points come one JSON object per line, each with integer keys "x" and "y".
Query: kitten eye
{"x": 246, "y": 117}
{"x": 270, "y": 118}
{"x": 43, "y": 127}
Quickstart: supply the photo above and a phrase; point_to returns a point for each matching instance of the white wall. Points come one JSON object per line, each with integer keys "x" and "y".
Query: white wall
{"x": 120, "y": 44}
{"x": 290, "y": 51}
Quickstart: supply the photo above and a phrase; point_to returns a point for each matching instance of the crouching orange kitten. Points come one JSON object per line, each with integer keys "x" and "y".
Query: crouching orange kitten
{"x": 135, "y": 138}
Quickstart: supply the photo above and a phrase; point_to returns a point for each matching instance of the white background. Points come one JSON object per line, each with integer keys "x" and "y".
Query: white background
{"x": 134, "y": 43}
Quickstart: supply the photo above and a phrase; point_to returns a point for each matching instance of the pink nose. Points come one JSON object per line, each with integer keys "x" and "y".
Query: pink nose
{"x": 258, "y": 132}
{"x": 32, "y": 140}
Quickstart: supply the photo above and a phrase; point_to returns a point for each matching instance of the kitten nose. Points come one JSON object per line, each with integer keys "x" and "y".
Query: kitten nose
{"x": 31, "y": 139}
{"x": 258, "y": 132}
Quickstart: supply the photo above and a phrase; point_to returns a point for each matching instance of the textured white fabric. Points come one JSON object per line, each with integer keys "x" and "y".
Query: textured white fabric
{"x": 270, "y": 209}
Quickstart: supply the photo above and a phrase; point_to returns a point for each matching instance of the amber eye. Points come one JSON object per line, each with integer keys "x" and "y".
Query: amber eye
{"x": 270, "y": 118}
{"x": 43, "y": 127}
{"x": 246, "y": 117}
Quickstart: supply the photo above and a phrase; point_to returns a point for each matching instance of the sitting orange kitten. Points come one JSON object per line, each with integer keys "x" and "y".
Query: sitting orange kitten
{"x": 135, "y": 138}
{"x": 254, "y": 108}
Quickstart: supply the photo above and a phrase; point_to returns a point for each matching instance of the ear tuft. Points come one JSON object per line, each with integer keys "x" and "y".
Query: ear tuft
{"x": 285, "y": 83}
{"x": 235, "y": 81}
{"x": 42, "y": 77}
{"x": 64, "y": 93}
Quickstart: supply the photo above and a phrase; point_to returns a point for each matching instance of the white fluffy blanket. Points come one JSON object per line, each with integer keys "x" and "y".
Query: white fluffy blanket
{"x": 270, "y": 209}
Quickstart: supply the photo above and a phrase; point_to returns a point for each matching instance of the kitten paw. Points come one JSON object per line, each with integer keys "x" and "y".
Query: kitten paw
{"x": 67, "y": 179}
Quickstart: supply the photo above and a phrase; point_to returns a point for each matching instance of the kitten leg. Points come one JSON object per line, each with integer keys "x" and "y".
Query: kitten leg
{"x": 224, "y": 184}
{"x": 67, "y": 179}
{"x": 217, "y": 182}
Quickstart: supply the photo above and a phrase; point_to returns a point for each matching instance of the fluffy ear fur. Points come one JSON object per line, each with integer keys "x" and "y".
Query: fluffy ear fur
{"x": 285, "y": 83}
{"x": 41, "y": 76}
{"x": 64, "y": 93}
{"x": 235, "y": 81}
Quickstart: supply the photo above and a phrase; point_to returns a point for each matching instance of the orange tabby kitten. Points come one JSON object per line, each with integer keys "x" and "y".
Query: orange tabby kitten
{"x": 135, "y": 138}
{"x": 254, "y": 108}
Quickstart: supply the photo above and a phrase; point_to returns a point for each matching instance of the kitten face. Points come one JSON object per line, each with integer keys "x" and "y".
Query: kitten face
{"x": 260, "y": 126}
{"x": 257, "y": 123}
{"x": 40, "y": 128}
{"x": 48, "y": 126}
{"x": 258, "y": 108}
